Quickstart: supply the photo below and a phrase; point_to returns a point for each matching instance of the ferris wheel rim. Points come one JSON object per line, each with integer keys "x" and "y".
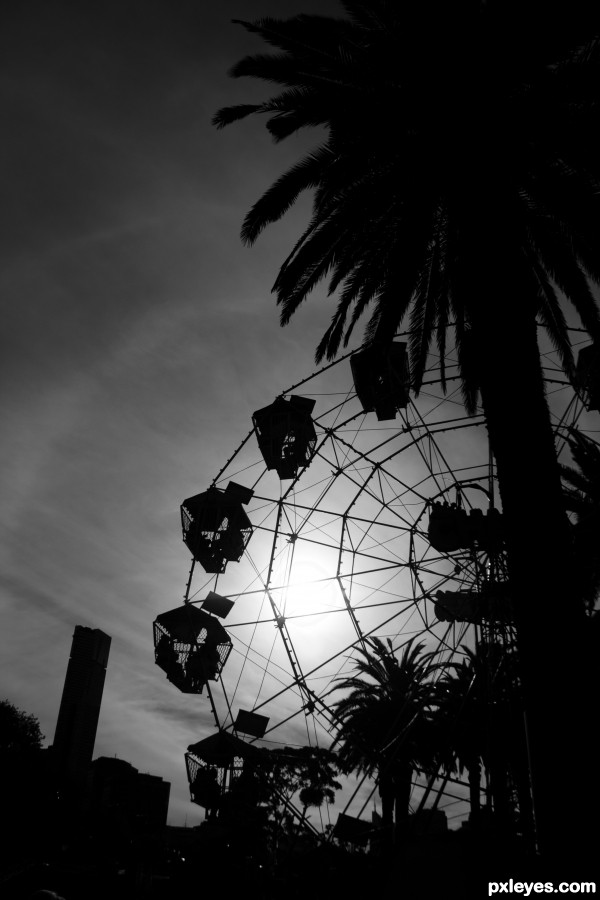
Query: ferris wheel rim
{"x": 427, "y": 430}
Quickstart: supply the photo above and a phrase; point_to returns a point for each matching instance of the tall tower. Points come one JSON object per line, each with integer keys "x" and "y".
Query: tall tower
{"x": 80, "y": 704}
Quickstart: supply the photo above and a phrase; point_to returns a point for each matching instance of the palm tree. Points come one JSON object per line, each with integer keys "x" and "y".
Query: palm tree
{"x": 480, "y": 724}
{"x": 458, "y": 184}
{"x": 383, "y": 722}
{"x": 461, "y": 719}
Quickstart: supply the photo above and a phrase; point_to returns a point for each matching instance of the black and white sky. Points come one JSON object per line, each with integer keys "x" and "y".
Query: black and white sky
{"x": 137, "y": 337}
{"x": 138, "y": 334}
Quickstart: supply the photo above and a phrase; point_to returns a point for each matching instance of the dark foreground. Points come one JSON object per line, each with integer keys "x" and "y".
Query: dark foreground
{"x": 452, "y": 865}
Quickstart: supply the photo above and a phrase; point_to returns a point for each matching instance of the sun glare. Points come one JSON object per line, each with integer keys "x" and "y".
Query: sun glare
{"x": 308, "y": 591}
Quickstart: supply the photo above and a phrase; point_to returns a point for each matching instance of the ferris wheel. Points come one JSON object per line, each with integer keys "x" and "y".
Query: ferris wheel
{"x": 351, "y": 510}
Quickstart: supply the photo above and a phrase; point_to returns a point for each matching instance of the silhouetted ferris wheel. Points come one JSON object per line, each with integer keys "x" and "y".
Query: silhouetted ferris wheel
{"x": 351, "y": 510}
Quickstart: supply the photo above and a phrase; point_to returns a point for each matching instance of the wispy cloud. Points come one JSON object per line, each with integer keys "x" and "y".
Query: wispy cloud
{"x": 137, "y": 337}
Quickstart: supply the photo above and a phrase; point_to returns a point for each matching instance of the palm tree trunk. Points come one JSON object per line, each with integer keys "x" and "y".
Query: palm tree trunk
{"x": 386, "y": 792}
{"x": 474, "y": 770}
{"x": 402, "y": 794}
{"x": 521, "y": 779}
{"x": 549, "y": 618}
{"x": 500, "y": 794}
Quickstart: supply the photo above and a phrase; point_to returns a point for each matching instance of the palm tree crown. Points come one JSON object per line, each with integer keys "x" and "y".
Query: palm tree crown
{"x": 457, "y": 149}
{"x": 383, "y": 721}
{"x": 480, "y": 724}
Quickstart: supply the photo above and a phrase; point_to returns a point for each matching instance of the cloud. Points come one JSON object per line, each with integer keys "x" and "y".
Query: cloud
{"x": 138, "y": 336}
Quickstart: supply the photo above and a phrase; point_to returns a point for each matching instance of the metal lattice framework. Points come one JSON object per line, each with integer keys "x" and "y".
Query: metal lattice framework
{"x": 342, "y": 553}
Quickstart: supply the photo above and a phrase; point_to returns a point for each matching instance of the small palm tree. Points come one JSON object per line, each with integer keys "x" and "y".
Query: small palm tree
{"x": 480, "y": 722}
{"x": 383, "y": 723}
{"x": 461, "y": 718}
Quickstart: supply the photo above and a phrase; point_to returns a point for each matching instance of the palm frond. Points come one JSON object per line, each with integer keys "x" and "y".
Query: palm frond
{"x": 308, "y": 37}
{"x": 276, "y": 201}
{"x": 229, "y": 114}
{"x": 557, "y": 259}
{"x": 387, "y": 86}
{"x": 553, "y": 318}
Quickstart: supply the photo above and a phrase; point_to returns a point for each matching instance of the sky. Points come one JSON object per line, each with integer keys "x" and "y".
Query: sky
{"x": 138, "y": 337}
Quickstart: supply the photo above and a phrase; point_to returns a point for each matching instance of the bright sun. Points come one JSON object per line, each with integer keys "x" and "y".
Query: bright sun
{"x": 310, "y": 590}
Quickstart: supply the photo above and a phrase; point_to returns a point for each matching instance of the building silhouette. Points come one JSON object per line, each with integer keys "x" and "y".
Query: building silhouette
{"x": 80, "y": 705}
{"x": 125, "y": 797}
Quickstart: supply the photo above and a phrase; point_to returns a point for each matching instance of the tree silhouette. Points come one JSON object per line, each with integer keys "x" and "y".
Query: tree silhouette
{"x": 480, "y": 724}
{"x": 318, "y": 770}
{"x": 458, "y": 185}
{"x": 259, "y": 804}
{"x": 383, "y": 725}
{"x": 310, "y": 772}
{"x": 26, "y": 783}
{"x": 19, "y": 731}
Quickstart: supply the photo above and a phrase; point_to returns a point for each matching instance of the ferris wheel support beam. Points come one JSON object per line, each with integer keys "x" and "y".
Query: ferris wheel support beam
{"x": 308, "y": 696}
{"x": 414, "y": 442}
{"x": 351, "y": 613}
{"x": 212, "y": 705}
{"x": 431, "y": 440}
{"x": 301, "y": 506}
{"x": 408, "y": 429}
{"x": 316, "y": 701}
{"x": 229, "y": 710}
{"x": 330, "y": 365}
{"x": 186, "y": 596}
{"x": 233, "y": 456}
{"x": 353, "y": 646}
{"x": 290, "y": 806}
